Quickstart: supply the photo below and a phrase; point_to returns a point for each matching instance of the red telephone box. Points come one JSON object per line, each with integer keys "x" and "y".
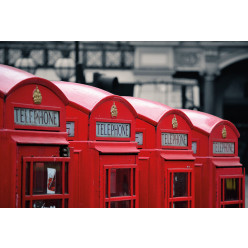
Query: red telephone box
{"x": 101, "y": 129}
{"x": 166, "y": 163}
{"x": 219, "y": 176}
{"x": 1, "y": 108}
{"x": 35, "y": 163}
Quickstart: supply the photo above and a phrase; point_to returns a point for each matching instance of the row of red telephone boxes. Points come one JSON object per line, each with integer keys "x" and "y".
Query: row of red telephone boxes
{"x": 64, "y": 144}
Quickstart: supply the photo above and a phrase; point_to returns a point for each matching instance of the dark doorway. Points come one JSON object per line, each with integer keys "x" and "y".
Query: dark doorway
{"x": 235, "y": 103}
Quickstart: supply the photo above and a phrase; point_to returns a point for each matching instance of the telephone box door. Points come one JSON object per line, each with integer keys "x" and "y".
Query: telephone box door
{"x": 44, "y": 181}
{"x": 179, "y": 187}
{"x": 120, "y": 180}
{"x": 230, "y": 188}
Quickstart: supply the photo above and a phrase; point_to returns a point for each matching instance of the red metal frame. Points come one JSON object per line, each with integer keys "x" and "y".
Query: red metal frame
{"x": 170, "y": 185}
{"x": 220, "y": 188}
{"x": 133, "y": 196}
{"x": 64, "y": 196}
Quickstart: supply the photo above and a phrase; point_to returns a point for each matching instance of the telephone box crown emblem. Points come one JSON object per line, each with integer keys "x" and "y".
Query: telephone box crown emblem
{"x": 224, "y": 133}
{"x": 114, "y": 111}
{"x": 174, "y": 122}
{"x": 37, "y": 97}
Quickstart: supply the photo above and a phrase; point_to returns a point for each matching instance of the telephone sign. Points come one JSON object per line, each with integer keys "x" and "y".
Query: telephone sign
{"x": 108, "y": 129}
{"x": 36, "y": 117}
{"x": 174, "y": 139}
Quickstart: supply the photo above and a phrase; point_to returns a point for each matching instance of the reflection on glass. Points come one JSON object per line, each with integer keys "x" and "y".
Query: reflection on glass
{"x": 180, "y": 184}
{"x": 120, "y": 182}
{"x": 183, "y": 204}
{"x": 120, "y": 204}
{"x": 51, "y": 203}
{"x": 47, "y": 178}
{"x": 231, "y": 189}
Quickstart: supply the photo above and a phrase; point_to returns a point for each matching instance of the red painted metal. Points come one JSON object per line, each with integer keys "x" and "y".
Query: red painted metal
{"x": 157, "y": 160}
{"x": 1, "y": 108}
{"x": 211, "y": 167}
{"x": 24, "y": 143}
{"x": 97, "y": 156}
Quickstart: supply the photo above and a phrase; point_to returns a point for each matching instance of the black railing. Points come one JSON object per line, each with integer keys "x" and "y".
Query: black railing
{"x": 93, "y": 55}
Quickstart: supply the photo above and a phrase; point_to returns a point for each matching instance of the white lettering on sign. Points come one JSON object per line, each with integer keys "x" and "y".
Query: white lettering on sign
{"x": 223, "y": 148}
{"x": 36, "y": 117}
{"x": 174, "y": 139}
{"x": 112, "y": 130}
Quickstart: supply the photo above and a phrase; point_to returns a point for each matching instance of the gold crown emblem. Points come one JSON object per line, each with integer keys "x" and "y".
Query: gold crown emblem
{"x": 174, "y": 122}
{"x": 37, "y": 97}
{"x": 114, "y": 111}
{"x": 224, "y": 133}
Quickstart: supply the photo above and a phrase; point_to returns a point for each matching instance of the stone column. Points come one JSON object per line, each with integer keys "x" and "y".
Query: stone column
{"x": 209, "y": 93}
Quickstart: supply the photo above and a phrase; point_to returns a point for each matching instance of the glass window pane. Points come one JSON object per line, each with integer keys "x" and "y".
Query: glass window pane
{"x": 106, "y": 184}
{"x": 27, "y": 204}
{"x": 183, "y": 204}
{"x": 66, "y": 178}
{"x": 66, "y": 203}
{"x": 47, "y": 178}
{"x": 120, "y": 181}
{"x": 232, "y": 206}
{"x": 120, "y": 204}
{"x": 222, "y": 189}
{"x": 51, "y": 203}
{"x": 134, "y": 181}
{"x": 27, "y": 188}
{"x": 180, "y": 184}
{"x": 231, "y": 189}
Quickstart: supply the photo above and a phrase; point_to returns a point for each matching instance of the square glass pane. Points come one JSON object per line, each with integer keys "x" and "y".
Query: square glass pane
{"x": 120, "y": 182}
{"x": 120, "y": 204}
{"x": 180, "y": 184}
{"x": 47, "y": 178}
{"x": 231, "y": 189}
{"x": 51, "y": 203}
{"x": 183, "y": 204}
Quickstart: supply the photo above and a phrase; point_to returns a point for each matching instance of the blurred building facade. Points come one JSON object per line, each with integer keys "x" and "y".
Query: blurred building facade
{"x": 209, "y": 76}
